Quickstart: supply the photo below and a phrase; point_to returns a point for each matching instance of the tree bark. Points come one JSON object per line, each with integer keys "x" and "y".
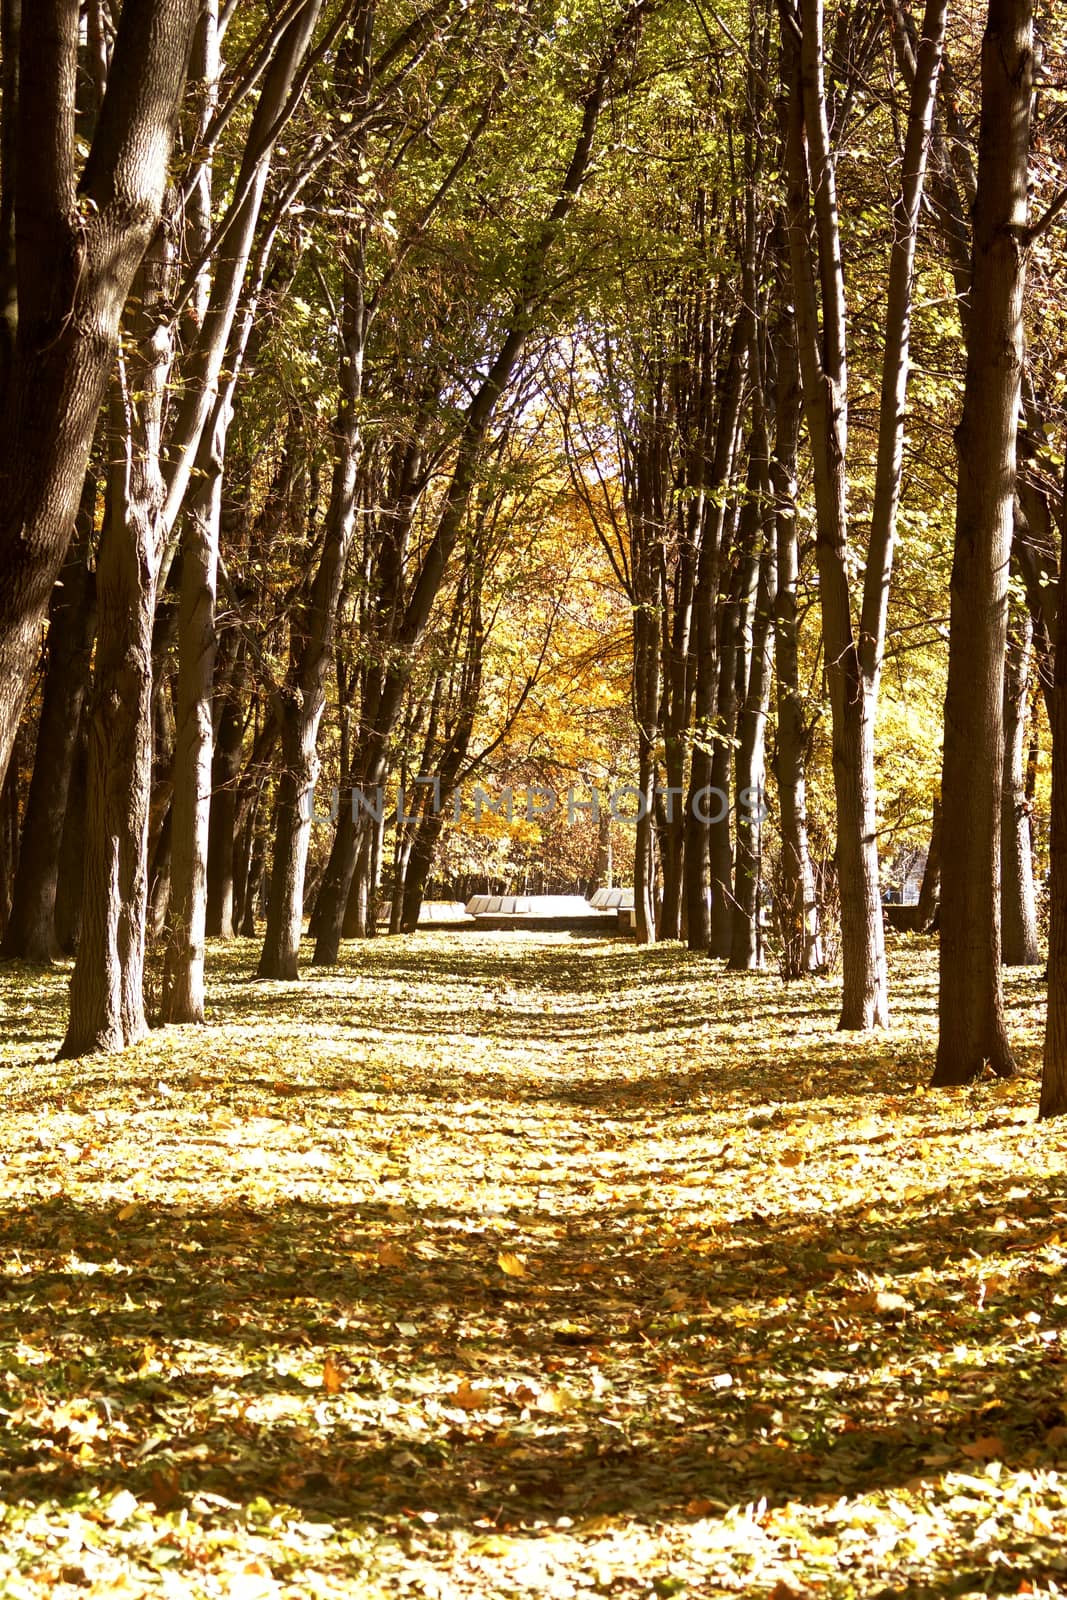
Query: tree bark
{"x": 31, "y": 931}
{"x": 970, "y": 1007}
{"x": 1018, "y": 909}
{"x": 225, "y": 770}
{"x": 78, "y": 244}
{"x": 1054, "y": 1065}
{"x": 183, "y": 966}
{"x": 929, "y": 907}
{"x": 746, "y": 952}
{"x": 71, "y": 876}
{"x": 106, "y": 992}
{"x": 797, "y": 907}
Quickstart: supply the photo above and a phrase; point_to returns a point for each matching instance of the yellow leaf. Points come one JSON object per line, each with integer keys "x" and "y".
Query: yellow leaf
{"x": 554, "y": 1400}
{"x": 791, "y": 1158}
{"x": 467, "y": 1398}
{"x": 333, "y": 1376}
{"x": 391, "y": 1255}
{"x": 514, "y": 1266}
{"x": 129, "y": 1211}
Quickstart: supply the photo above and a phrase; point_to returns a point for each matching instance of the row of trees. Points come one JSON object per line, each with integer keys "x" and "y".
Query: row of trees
{"x": 355, "y": 356}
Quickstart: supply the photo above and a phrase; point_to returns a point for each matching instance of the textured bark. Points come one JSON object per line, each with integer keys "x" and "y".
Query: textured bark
{"x": 71, "y": 877}
{"x": 734, "y": 618}
{"x": 1054, "y": 1066}
{"x": 79, "y": 243}
{"x": 225, "y": 770}
{"x": 1018, "y": 908}
{"x": 970, "y": 1009}
{"x": 9, "y": 833}
{"x": 746, "y": 951}
{"x": 700, "y": 803}
{"x": 797, "y": 908}
{"x": 31, "y": 932}
{"x": 183, "y": 967}
{"x": 106, "y": 1000}
{"x": 645, "y": 518}
{"x": 280, "y": 956}
{"x": 106, "y": 992}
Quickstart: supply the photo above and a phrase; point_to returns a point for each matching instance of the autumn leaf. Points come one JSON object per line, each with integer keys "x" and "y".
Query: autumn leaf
{"x": 469, "y": 1398}
{"x": 334, "y": 1376}
{"x": 512, "y": 1266}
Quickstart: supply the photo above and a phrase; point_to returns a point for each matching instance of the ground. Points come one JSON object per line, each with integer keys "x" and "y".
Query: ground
{"x": 497, "y": 1266}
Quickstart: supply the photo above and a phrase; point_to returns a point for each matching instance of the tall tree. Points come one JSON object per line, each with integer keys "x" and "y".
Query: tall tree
{"x": 854, "y": 647}
{"x": 971, "y": 1021}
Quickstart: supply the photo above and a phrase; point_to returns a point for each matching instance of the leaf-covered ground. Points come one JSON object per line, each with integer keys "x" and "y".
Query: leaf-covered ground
{"x": 504, "y": 1266}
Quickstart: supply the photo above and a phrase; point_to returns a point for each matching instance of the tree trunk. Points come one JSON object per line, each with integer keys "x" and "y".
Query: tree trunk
{"x": 929, "y": 907}
{"x": 79, "y": 244}
{"x": 970, "y": 1009}
{"x": 159, "y": 876}
{"x": 256, "y": 857}
{"x": 854, "y": 659}
{"x": 222, "y": 822}
{"x": 71, "y": 877}
{"x": 745, "y": 949}
{"x": 183, "y": 967}
{"x": 604, "y": 864}
{"x": 1018, "y": 909}
{"x": 1054, "y": 1066}
{"x": 293, "y": 817}
{"x": 9, "y": 834}
{"x": 106, "y": 991}
{"x": 31, "y": 931}
{"x": 797, "y": 909}
{"x": 732, "y": 622}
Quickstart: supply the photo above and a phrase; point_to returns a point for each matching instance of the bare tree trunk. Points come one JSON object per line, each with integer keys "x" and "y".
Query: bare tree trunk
{"x": 9, "y": 833}
{"x": 1054, "y": 1066}
{"x": 929, "y": 907}
{"x": 31, "y": 933}
{"x": 733, "y": 618}
{"x": 604, "y": 862}
{"x": 293, "y": 817}
{"x": 1018, "y": 909}
{"x": 106, "y": 991}
{"x": 183, "y": 968}
{"x": 701, "y": 804}
{"x": 222, "y": 912}
{"x": 970, "y": 1010}
{"x": 798, "y": 914}
{"x": 71, "y": 876}
{"x": 745, "y": 948}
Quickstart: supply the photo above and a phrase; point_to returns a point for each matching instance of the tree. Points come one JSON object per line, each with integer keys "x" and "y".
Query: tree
{"x": 972, "y": 1030}
{"x": 74, "y": 243}
{"x": 854, "y": 653}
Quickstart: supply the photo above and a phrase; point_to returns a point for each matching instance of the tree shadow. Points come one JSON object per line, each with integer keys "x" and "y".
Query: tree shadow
{"x": 686, "y": 1376}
